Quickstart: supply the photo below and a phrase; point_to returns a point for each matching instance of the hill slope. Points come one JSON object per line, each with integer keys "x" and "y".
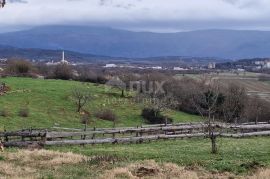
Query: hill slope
{"x": 113, "y": 42}
{"x": 50, "y": 103}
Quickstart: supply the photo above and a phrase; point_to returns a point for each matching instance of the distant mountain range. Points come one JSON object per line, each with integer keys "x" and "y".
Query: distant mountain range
{"x": 228, "y": 44}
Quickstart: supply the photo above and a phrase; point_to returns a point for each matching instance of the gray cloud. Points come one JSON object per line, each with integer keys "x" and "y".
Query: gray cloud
{"x": 154, "y": 15}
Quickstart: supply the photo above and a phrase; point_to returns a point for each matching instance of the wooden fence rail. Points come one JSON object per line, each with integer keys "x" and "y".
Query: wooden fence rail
{"x": 137, "y": 134}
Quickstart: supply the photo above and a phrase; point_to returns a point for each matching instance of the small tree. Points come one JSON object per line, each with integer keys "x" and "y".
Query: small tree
{"x": 81, "y": 97}
{"x": 207, "y": 99}
{"x": 257, "y": 109}
{"x": 234, "y": 104}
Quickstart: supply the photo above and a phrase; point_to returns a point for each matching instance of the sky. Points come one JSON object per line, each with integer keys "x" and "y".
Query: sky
{"x": 138, "y": 15}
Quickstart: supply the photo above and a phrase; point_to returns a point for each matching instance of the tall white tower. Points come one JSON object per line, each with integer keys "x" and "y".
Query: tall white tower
{"x": 63, "y": 57}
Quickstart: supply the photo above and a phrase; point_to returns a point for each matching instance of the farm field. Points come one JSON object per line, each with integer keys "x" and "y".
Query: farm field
{"x": 50, "y": 104}
{"x": 250, "y": 81}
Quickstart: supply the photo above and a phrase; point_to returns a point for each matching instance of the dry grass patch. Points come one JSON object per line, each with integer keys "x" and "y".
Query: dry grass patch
{"x": 150, "y": 169}
{"x": 9, "y": 170}
{"x": 44, "y": 158}
{"x": 261, "y": 174}
{"x": 28, "y": 164}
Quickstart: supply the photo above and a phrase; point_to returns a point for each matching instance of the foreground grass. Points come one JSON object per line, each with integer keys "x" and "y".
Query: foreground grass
{"x": 235, "y": 155}
{"x": 237, "y": 158}
{"x": 50, "y": 103}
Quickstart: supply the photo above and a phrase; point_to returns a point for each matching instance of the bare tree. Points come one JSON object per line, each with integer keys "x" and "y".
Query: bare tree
{"x": 257, "y": 109}
{"x": 234, "y": 103}
{"x": 81, "y": 97}
{"x": 207, "y": 100}
{"x": 159, "y": 102}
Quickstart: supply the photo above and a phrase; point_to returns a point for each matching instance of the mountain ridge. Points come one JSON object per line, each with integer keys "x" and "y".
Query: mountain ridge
{"x": 106, "y": 41}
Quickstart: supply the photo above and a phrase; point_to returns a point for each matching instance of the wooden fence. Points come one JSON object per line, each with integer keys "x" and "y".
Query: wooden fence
{"x": 139, "y": 134}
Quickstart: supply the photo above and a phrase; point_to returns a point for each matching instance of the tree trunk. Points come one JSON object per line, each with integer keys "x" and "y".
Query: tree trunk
{"x": 214, "y": 144}
{"x": 79, "y": 108}
{"x": 257, "y": 118}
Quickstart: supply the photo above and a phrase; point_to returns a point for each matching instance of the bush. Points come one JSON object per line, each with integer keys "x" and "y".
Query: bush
{"x": 24, "y": 112}
{"x": 63, "y": 72}
{"x": 152, "y": 117}
{"x": 19, "y": 68}
{"x": 106, "y": 114}
{"x": 4, "y": 113}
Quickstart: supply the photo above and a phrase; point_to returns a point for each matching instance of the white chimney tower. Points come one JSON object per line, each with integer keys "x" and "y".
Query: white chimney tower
{"x": 63, "y": 56}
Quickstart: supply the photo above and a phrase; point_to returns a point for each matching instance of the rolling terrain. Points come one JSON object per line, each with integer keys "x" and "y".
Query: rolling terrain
{"x": 50, "y": 104}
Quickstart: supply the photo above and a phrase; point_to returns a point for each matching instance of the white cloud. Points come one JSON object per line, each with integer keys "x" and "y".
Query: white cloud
{"x": 140, "y": 14}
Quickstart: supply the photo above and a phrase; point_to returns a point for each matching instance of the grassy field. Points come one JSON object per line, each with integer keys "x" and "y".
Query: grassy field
{"x": 50, "y": 103}
{"x": 235, "y": 156}
{"x": 186, "y": 158}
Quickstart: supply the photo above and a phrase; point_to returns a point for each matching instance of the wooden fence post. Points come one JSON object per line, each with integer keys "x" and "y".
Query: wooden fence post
{"x": 166, "y": 123}
{"x": 6, "y": 137}
{"x": 85, "y": 129}
{"x": 94, "y": 135}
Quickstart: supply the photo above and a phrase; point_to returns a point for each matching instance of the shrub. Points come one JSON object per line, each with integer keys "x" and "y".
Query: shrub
{"x": 152, "y": 117}
{"x": 24, "y": 112}
{"x": 106, "y": 114}
{"x": 63, "y": 72}
{"x": 19, "y": 68}
{"x": 4, "y": 113}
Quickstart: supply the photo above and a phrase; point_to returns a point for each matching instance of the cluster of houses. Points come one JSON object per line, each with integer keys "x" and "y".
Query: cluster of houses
{"x": 211, "y": 65}
{"x": 263, "y": 64}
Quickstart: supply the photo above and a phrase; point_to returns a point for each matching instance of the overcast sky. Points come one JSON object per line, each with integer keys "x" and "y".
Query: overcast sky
{"x": 139, "y": 15}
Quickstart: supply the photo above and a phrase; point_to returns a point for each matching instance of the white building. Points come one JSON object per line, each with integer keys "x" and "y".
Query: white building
{"x": 110, "y": 66}
{"x": 267, "y": 64}
{"x": 157, "y": 68}
{"x": 179, "y": 69}
{"x": 212, "y": 65}
{"x": 262, "y": 64}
